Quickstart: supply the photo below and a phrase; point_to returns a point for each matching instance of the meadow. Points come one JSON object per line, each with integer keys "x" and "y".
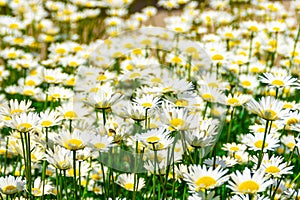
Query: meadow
{"x": 166, "y": 99}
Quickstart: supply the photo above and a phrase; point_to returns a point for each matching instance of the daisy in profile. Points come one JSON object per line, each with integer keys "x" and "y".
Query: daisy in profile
{"x": 147, "y": 101}
{"x": 24, "y": 122}
{"x": 156, "y": 138}
{"x": 104, "y": 98}
{"x": 73, "y": 141}
{"x": 13, "y": 107}
{"x": 49, "y": 118}
{"x": 199, "y": 178}
{"x": 37, "y": 189}
{"x": 127, "y": 182}
{"x": 101, "y": 143}
{"x": 278, "y": 80}
{"x": 134, "y": 111}
{"x": 73, "y": 110}
{"x": 237, "y": 99}
{"x": 178, "y": 118}
{"x": 234, "y": 147}
{"x": 245, "y": 183}
{"x": 60, "y": 158}
{"x": 212, "y": 94}
{"x": 267, "y": 108}
{"x": 10, "y": 185}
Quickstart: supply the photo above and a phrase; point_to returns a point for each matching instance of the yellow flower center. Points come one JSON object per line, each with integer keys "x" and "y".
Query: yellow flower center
{"x": 272, "y": 169}
{"x": 147, "y": 104}
{"x": 246, "y": 83}
{"x": 270, "y": 114}
{"x": 64, "y": 165}
{"x": 277, "y": 83}
{"x": 101, "y": 77}
{"x": 36, "y": 192}
{"x": 217, "y": 57}
{"x": 30, "y": 83}
{"x": 74, "y": 144}
{"x": 99, "y": 145}
{"x": 70, "y": 115}
{"x": 13, "y": 26}
{"x": 73, "y": 64}
{"x": 9, "y": 189}
{"x": 207, "y": 97}
{"x": 96, "y": 177}
{"x": 135, "y": 75}
{"x": 292, "y": 121}
{"x": 24, "y": 127}
{"x": 12, "y": 55}
{"x": 259, "y": 144}
{"x": 233, "y": 101}
{"x": 234, "y": 148}
{"x": 213, "y": 84}
{"x": 261, "y": 130}
{"x": 205, "y": 182}
{"x": 181, "y": 102}
{"x": 49, "y": 78}
{"x": 18, "y": 40}
{"x": 129, "y": 186}
{"x": 176, "y": 59}
{"x": 28, "y": 92}
{"x": 46, "y": 123}
{"x": 253, "y": 28}
{"x": 153, "y": 139}
{"x": 249, "y": 186}
{"x": 16, "y": 111}
{"x": 290, "y": 145}
{"x": 228, "y": 35}
{"x": 177, "y": 122}
{"x": 60, "y": 50}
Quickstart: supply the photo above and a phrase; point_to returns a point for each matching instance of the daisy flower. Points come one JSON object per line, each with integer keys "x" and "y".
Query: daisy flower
{"x": 289, "y": 141}
{"x": 278, "y": 80}
{"x": 255, "y": 142}
{"x": 237, "y": 99}
{"x": 104, "y": 98}
{"x": 148, "y": 101}
{"x": 267, "y": 108}
{"x": 10, "y": 185}
{"x": 233, "y": 147}
{"x": 159, "y": 138}
{"x": 15, "y": 108}
{"x": 101, "y": 143}
{"x": 275, "y": 166}
{"x": 245, "y": 183}
{"x": 60, "y": 158}
{"x": 212, "y": 94}
{"x": 49, "y": 118}
{"x": 249, "y": 82}
{"x": 178, "y": 118}
{"x": 24, "y": 122}
{"x": 127, "y": 182}
{"x": 37, "y": 189}
{"x": 73, "y": 141}
{"x": 199, "y": 178}
{"x": 73, "y": 110}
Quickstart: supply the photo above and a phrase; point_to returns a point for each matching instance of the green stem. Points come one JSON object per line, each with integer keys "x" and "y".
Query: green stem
{"x": 74, "y": 174}
{"x": 263, "y": 145}
{"x": 230, "y": 124}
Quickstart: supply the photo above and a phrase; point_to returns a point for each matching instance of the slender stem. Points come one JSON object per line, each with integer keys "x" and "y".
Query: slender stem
{"x": 104, "y": 116}
{"x": 154, "y": 173}
{"x": 230, "y": 124}
{"x": 79, "y": 177}
{"x": 250, "y": 50}
{"x": 263, "y": 145}
{"x": 74, "y": 174}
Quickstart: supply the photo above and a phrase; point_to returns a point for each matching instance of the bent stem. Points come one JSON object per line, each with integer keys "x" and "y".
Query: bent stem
{"x": 230, "y": 124}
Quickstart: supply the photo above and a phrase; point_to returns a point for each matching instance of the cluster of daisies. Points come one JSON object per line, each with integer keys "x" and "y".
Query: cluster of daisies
{"x": 95, "y": 104}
